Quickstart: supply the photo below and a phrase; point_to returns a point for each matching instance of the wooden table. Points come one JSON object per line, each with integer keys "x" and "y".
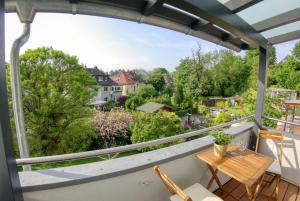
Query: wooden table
{"x": 248, "y": 169}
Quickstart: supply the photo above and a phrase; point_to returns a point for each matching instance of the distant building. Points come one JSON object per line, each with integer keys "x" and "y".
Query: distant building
{"x": 152, "y": 107}
{"x": 109, "y": 90}
{"x": 127, "y": 81}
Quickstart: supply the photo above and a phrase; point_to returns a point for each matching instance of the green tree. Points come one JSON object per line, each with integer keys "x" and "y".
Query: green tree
{"x": 192, "y": 74}
{"x": 285, "y": 75}
{"x": 146, "y": 91}
{"x": 153, "y": 126}
{"x": 157, "y": 78}
{"x": 296, "y": 50}
{"x": 229, "y": 75}
{"x": 252, "y": 61}
{"x": 134, "y": 102}
{"x": 56, "y": 90}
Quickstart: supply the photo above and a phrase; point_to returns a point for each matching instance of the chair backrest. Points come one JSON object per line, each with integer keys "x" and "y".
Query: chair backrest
{"x": 173, "y": 188}
{"x": 265, "y": 134}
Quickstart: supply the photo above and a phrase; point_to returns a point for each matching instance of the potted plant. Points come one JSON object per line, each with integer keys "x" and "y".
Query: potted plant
{"x": 222, "y": 140}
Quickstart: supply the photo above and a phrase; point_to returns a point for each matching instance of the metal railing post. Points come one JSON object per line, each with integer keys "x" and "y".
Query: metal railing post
{"x": 17, "y": 93}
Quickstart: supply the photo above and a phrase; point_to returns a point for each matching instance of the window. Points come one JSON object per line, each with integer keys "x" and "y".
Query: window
{"x": 112, "y": 88}
{"x": 100, "y": 78}
{"x": 105, "y": 99}
{"x": 105, "y": 88}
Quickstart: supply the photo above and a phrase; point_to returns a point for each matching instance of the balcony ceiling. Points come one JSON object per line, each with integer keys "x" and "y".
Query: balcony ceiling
{"x": 235, "y": 24}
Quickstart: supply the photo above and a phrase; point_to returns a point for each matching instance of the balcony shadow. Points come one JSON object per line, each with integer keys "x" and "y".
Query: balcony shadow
{"x": 61, "y": 174}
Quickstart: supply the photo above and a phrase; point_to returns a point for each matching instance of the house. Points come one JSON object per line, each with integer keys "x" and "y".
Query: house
{"x": 127, "y": 81}
{"x": 108, "y": 90}
{"x": 152, "y": 107}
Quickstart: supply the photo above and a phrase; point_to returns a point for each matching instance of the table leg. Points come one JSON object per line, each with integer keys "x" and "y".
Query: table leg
{"x": 214, "y": 177}
{"x": 294, "y": 110}
{"x": 258, "y": 187}
{"x": 252, "y": 195}
{"x": 286, "y": 116}
{"x": 249, "y": 192}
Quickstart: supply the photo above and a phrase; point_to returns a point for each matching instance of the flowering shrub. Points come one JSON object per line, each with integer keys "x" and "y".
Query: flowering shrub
{"x": 113, "y": 127}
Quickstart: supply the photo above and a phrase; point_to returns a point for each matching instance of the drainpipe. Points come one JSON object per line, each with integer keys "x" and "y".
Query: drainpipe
{"x": 17, "y": 94}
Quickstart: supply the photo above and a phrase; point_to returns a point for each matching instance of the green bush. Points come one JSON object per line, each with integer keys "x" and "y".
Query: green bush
{"x": 109, "y": 105}
{"x": 151, "y": 126}
{"x": 202, "y": 109}
{"x": 182, "y": 113}
{"x": 222, "y": 117}
{"x": 134, "y": 102}
{"x": 146, "y": 91}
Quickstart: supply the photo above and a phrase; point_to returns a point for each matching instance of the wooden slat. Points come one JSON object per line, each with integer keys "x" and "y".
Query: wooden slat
{"x": 291, "y": 193}
{"x": 287, "y": 192}
{"x": 283, "y": 185}
{"x": 268, "y": 132}
{"x": 231, "y": 185}
{"x": 272, "y": 137}
{"x": 229, "y": 198}
{"x": 239, "y": 192}
{"x": 298, "y": 195}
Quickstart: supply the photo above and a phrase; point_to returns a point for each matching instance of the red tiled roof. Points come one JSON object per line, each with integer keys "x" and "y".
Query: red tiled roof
{"x": 123, "y": 78}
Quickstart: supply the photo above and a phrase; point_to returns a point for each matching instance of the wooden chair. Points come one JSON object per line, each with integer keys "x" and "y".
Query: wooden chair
{"x": 275, "y": 169}
{"x": 195, "y": 192}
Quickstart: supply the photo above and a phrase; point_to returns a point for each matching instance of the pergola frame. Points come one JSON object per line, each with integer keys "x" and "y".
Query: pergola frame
{"x": 209, "y": 20}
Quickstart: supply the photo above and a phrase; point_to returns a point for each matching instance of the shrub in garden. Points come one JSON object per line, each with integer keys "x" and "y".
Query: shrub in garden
{"x": 222, "y": 117}
{"x": 109, "y": 105}
{"x": 122, "y": 100}
{"x": 151, "y": 126}
{"x": 113, "y": 127}
{"x": 134, "y": 102}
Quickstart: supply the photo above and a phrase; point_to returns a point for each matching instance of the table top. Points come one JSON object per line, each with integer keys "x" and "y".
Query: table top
{"x": 246, "y": 169}
{"x": 292, "y": 102}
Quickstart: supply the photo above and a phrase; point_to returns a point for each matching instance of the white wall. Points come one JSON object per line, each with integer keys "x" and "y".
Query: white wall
{"x": 142, "y": 185}
{"x": 101, "y": 94}
{"x": 129, "y": 89}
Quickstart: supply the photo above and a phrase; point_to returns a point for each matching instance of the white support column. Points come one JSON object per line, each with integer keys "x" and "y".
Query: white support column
{"x": 261, "y": 93}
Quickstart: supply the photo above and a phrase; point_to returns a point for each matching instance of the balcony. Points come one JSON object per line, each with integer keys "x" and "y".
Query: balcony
{"x": 132, "y": 177}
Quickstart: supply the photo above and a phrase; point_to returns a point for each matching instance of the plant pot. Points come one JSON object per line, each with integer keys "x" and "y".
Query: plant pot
{"x": 220, "y": 150}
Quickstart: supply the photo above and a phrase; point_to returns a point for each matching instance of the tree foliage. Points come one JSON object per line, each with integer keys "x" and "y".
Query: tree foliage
{"x": 229, "y": 75}
{"x": 150, "y": 126}
{"x": 156, "y": 78}
{"x": 296, "y": 51}
{"x": 146, "y": 91}
{"x": 286, "y": 74}
{"x": 134, "y": 102}
{"x": 55, "y": 93}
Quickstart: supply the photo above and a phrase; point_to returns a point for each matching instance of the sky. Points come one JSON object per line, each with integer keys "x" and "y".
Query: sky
{"x": 111, "y": 43}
